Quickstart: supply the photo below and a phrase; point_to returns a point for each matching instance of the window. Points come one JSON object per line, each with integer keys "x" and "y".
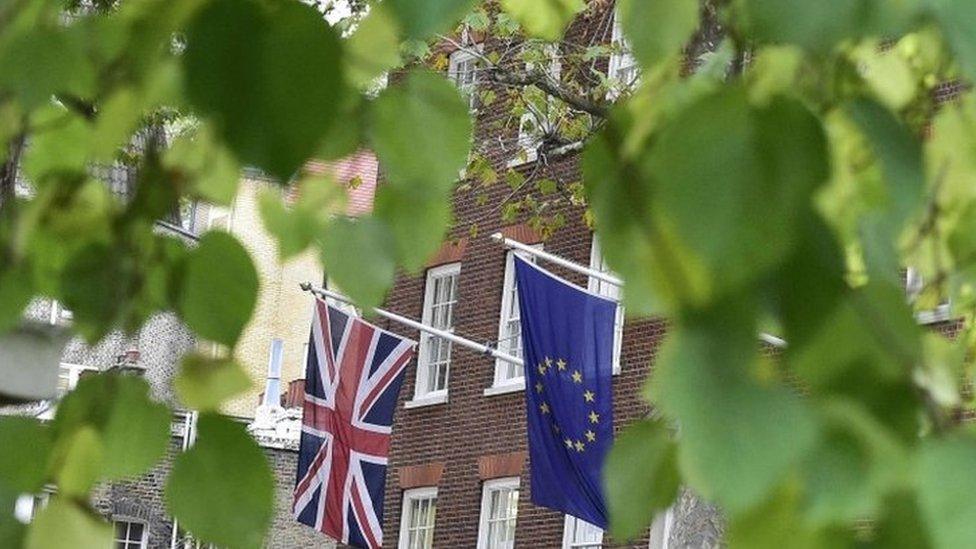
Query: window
{"x": 661, "y": 529}
{"x": 27, "y": 506}
{"x": 510, "y": 326}
{"x": 68, "y": 376}
{"x": 59, "y": 313}
{"x": 417, "y": 520}
{"x": 614, "y": 292}
{"x": 579, "y": 534}
{"x": 434, "y": 358}
{"x": 130, "y": 534}
{"x": 463, "y": 70}
{"x": 499, "y": 509}
{"x": 219, "y": 217}
{"x": 624, "y": 70}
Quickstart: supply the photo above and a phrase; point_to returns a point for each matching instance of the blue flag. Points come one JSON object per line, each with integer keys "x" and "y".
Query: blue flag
{"x": 567, "y": 337}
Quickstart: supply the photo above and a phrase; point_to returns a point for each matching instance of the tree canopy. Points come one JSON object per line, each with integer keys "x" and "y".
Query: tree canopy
{"x": 781, "y": 179}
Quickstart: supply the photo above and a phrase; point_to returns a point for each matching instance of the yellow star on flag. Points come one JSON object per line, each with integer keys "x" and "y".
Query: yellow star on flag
{"x": 579, "y": 445}
{"x": 569, "y": 442}
{"x": 538, "y": 386}
{"x": 544, "y": 407}
{"x": 577, "y": 376}
{"x": 594, "y": 417}
{"x": 548, "y": 362}
{"x": 542, "y": 368}
{"x": 590, "y": 436}
{"x": 561, "y": 364}
{"x": 588, "y": 396}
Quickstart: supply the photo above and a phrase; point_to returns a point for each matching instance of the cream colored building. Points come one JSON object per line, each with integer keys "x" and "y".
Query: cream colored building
{"x": 283, "y": 311}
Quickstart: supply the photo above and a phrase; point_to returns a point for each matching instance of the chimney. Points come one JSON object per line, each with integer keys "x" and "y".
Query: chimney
{"x": 272, "y": 387}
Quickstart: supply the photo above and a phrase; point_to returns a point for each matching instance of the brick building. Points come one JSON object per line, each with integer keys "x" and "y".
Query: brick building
{"x": 459, "y": 438}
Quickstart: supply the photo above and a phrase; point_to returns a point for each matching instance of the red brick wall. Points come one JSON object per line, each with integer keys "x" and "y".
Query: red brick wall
{"x": 470, "y": 427}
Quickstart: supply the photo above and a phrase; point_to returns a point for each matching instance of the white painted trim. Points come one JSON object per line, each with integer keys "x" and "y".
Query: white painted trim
{"x": 507, "y": 295}
{"x": 661, "y": 529}
{"x": 569, "y": 527}
{"x": 430, "y": 399}
{"x": 515, "y": 385}
{"x": 612, "y": 291}
{"x": 487, "y": 488}
{"x": 421, "y": 392}
{"x": 144, "y": 542}
{"x": 425, "y": 492}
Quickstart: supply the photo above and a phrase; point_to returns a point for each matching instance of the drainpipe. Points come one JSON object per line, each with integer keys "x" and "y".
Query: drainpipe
{"x": 189, "y": 435}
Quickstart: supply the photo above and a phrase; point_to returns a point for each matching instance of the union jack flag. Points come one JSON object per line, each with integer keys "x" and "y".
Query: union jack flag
{"x": 352, "y": 380}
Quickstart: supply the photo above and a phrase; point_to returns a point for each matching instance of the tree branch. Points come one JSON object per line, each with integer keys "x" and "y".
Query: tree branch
{"x": 542, "y": 81}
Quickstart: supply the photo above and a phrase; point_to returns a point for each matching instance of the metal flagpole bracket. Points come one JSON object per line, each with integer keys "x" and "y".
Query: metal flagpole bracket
{"x": 487, "y": 350}
{"x": 599, "y": 275}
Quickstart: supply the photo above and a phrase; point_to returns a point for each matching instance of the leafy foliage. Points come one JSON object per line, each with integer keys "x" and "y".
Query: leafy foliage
{"x": 769, "y": 168}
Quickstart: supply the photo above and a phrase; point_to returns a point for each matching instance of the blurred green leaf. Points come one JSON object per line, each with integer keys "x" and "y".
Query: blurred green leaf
{"x": 738, "y": 437}
{"x": 16, "y": 290}
{"x": 546, "y": 19}
{"x": 655, "y": 30}
{"x": 94, "y": 286}
{"x": 220, "y": 287}
{"x": 374, "y": 48}
{"x": 24, "y": 465}
{"x": 420, "y": 19}
{"x": 80, "y": 460}
{"x": 45, "y": 62}
{"x": 133, "y": 431}
{"x": 270, "y": 74}
{"x": 221, "y": 489}
{"x": 945, "y": 488}
{"x": 64, "y": 524}
{"x": 958, "y": 18}
{"x": 359, "y": 257}
{"x": 422, "y": 166}
{"x": 214, "y": 169}
{"x": 641, "y": 477}
{"x": 748, "y": 164}
{"x": 204, "y": 384}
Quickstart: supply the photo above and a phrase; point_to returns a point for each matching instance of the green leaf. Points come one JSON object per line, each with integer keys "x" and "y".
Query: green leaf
{"x": 739, "y": 437}
{"x": 45, "y": 62}
{"x": 422, "y": 167}
{"x": 374, "y": 48}
{"x": 94, "y": 286}
{"x": 204, "y": 383}
{"x": 957, "y": 18}
{"x": 359, "y": 256}
{"x": 221, "y": 489}
{"x": 778, "y": 522}
{"x": 435, "y": 156}
{"x": 133, "y": 430}
{"x": 945, "y": 488}
{"x": 900, "y": 155}
{"x": 215, "y": 170}
{"x": 270, "y": 74}
{"x": 24, "y": 464}
{"x": 749, "y": 165}
{"x": 656, "y": 30}
{"x": 641, "y": 477}
{"x": 220, "y": 286}
{"x": 79, "y": 461}
{"x": 16, "y": 290}
{"x": 64, "y": 524}
{"x": 816, "y": 26}
{"x": 420, "y": 19}
{"x": 545, "y": 19}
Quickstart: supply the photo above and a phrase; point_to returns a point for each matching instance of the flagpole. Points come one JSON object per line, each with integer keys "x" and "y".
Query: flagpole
{"x": 599, "y": 275}
{"x": 486, "y": 350}
{"x": 552, "y": 258}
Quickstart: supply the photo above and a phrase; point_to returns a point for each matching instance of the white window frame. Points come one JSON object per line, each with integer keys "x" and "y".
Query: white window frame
{"x": 423, "y": 395}
{"x": 469, "y": 90}
{"x": 409, "y": 496}
{"x": 569, "y": 534}
{"x": 622, "y": 60}
{"x": 143, "y": 542}
{"x": 488, "y": 487}
{"x": 661, "y": 529}
{"x": 70, "y": 374}
{"x": 612, "y": 291}
{"x": 502, "y": 384}
{"x": 27, "y": 506}
{"x": 913, "y": 286}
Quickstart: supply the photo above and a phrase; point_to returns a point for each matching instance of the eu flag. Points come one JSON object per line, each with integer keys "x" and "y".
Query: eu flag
{"x": 567, "y": 337}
